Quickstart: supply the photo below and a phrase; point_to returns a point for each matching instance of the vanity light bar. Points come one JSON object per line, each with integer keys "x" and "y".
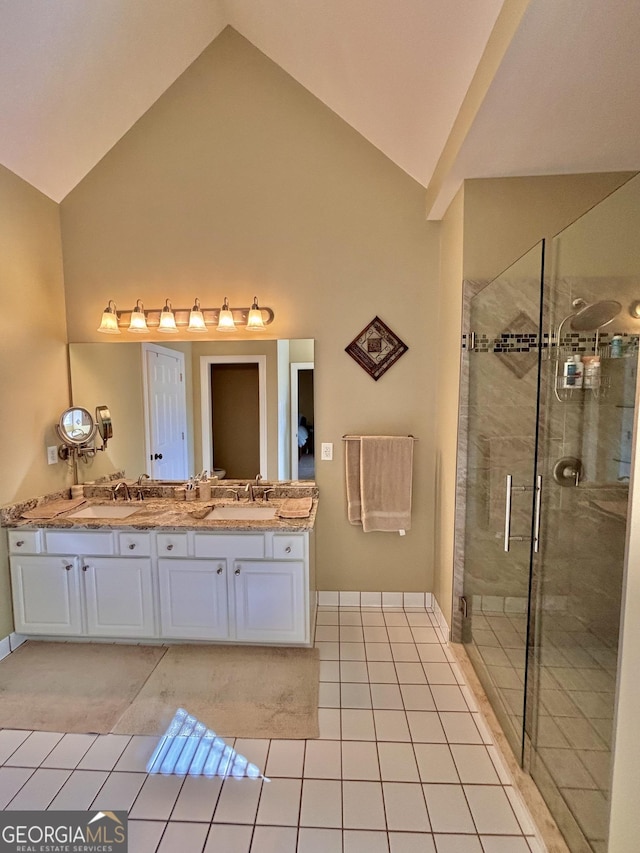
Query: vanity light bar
{"x": 113, "y": 319}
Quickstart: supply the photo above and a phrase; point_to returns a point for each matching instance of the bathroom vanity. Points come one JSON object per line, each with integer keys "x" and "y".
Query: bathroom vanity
{"x": 169, "y": 576}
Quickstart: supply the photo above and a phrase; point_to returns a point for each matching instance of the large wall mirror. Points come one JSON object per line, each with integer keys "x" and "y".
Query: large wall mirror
{"x": 241, "y": 407}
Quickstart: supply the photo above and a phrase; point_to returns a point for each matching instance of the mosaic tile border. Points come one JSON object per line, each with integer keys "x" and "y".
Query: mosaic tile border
{"x": 511, "y": 342}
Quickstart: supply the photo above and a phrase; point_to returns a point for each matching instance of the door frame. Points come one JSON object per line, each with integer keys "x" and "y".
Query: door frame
{"x": 206, "y": 361}
{"x": 174, "y": 353}
{"x": 296, "y": 367}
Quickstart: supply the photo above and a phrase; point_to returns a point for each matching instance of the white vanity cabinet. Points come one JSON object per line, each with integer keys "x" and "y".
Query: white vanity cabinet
{"x": 193, "y": 599}
{"x": 269, "y": 600}
{"x": 83, "y": 584}
{"x": 46, "y": 595}
{"x": 231, "y": 586}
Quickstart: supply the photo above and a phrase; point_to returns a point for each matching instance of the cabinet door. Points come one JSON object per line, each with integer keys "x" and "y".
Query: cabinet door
{"x": 193, "y": 599}
{"x": 46, "y": 595}
{"x": 270, "y": 601}
{"x": 119, "y": 596}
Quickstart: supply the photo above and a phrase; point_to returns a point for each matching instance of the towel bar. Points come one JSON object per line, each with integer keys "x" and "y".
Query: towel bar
{"x": 358, "y": 437}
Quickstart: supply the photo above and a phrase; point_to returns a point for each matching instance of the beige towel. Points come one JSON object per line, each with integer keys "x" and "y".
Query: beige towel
{"x": 386, "y": 464}
{"x": 296, "y": 508}
{"x": 352, "y": 472}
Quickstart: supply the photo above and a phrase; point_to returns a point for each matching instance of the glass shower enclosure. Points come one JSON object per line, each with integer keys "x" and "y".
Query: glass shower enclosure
{"x": 550, "y": 363}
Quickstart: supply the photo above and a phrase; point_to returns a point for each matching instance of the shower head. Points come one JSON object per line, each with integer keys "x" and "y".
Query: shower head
{"x": 594, "y": 315}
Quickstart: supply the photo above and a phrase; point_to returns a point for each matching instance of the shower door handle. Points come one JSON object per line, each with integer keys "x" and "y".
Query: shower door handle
{"x": 507, "y": 514}
{"x": 508, "y": 538}
{"x": 536, "y": 517}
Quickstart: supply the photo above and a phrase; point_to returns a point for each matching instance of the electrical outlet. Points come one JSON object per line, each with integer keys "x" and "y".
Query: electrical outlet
{"x": 52, "y": 455}
{"x": 326, "y": 451}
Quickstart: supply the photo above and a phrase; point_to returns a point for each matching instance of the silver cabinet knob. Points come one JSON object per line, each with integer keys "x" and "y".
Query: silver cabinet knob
{"x": 220, "y": 570}
{"x": 19, "y": 543}
{"x": 169, "y": 547}
{"x": 68, "y": 567}
{"x": 132, "y": 546}
{"x": 287, "y": 550}
{"x": 237, "y": 572}
{"x": 84, "y": 568}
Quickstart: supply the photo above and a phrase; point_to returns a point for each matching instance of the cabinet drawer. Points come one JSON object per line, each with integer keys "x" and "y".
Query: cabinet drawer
{"x": 288, "y": 547}
{"x": 70, "y": 542}
{"x": 172, "y": 544}
{"x": 24, "y": 541}
{"x": 219, "y": 545}
{"x": 134, "y": 544}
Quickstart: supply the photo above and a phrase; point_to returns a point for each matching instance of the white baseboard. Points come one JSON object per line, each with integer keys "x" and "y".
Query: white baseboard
{"x": 329, "y": 598}
{"x": 5, "y": 647}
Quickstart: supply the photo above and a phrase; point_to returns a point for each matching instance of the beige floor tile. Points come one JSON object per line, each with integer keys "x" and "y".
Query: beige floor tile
{"x": 184, "y": 836}
{"x": 360, "y": 761}
{"x": 68, "y": 752}
{"x": 448, "y": 810}
{"x": 504, "y": 844}
{"x": 280, "y": 802}
{"x": 362, "y": 805}
{"x": 136, "y": 754}
{"x": 425, "y": 727}
{"x": 238, "y": 801}
{"x": 197, "y": 799}
{"x": 225, "y": 838}
{"x": 10, "y": 740}
{"x": 80, "y": 790}
{"x": 355, "y": 695}
{"x": 329, "y": 670}
{"x": 352, "y": 651}
{"x": 39, "y": 790}
{"x": 329, "y": 695}
{"x": 458, "y": 844}
{"x": 417, "y": 697}
{"x": 286, "y": 758}
{"x": 491, "y": 810}
{"x": 321, "y": 803}
{"x": 119, "y": 792}
{"x": 323, "y": 760}
{"x": 319, "y": 840}
{"x": 12, "y": 780}
{"x": 391, "y": 725}
{"x": 397, "y": 762}
{"x": 104, "y": 752}
{"x": 411, "y": 842}
{"x": 354, "y": 672}
{"x": 365, "y": 841}
{"x": 274, "y": 839}
{"x": 460, "y": 727}
{"x": 474, "y": 764}
{"x": 386, "y": 696}
{"x": 157, "y": 798}
{"x": 410, "y": 673}
{"x": 378, "y": 651}
{"x": 405, "y": 652}
{"x": 435, "y": 763}
{"x": 448, "y": 697}
{"x": 357, "y": 724}
{"x": 329, "y": 723}
{"x": 405, "y": 807}
{"x": 144, "y": 835}
{"x": 34, "y": 750}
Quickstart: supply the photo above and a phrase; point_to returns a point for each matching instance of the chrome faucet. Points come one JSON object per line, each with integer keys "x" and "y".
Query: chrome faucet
{"x": 125, "y": 488}
{"x": 266, "y": 493}
{"x": 141, "y": 478}
{"x": 250, "y": 490}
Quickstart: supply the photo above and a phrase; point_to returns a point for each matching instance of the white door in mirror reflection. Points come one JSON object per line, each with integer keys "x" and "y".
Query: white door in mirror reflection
{"x": 165, "y": 413}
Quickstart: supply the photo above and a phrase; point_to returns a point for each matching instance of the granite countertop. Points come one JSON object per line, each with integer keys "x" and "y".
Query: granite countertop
{"x": 168, "y": 514}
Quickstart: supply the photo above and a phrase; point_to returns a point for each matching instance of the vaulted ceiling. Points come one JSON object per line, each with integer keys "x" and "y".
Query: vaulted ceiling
{"x": 447, "y": 89}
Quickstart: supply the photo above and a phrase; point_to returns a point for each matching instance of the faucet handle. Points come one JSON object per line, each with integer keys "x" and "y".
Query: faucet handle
{"x": 265, "y": 494}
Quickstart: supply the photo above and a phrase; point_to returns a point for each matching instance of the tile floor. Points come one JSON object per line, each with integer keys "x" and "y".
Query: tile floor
{"x": 574, "y": 726}
{"x": 404, "y": 764}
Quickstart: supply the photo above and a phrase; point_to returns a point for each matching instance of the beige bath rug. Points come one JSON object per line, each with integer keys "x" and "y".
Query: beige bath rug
{"x": 238, "y": 691}
{"x": 72, "y": 687}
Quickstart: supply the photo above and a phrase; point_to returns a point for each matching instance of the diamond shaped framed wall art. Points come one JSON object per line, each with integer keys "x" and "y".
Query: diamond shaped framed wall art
{"x": 376, "y": 348}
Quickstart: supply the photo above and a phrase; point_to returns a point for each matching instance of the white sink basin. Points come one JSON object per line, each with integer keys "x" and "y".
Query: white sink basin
{"x": 107, "y": 511}
{"x": 243, "y": 512}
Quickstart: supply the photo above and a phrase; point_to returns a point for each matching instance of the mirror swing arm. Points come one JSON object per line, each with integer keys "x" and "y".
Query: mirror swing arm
{"x": 77, "y": 431}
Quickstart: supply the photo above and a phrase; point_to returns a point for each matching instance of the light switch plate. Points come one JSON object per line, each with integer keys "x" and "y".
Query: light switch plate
{"x": 52, "y": 455}
{"x": 326, "y": 451}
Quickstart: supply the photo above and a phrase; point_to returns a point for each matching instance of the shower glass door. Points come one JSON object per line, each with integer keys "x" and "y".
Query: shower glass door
{"x": 501, "y": 364}
{"x": 584, "y": 455}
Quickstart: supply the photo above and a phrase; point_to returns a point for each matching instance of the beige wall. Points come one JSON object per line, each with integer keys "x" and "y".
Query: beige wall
{"x": 33, "y": 365}
{"x": 238, "y": 182}
{"x": 505, "y": 217}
